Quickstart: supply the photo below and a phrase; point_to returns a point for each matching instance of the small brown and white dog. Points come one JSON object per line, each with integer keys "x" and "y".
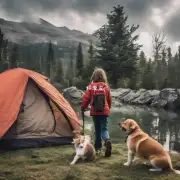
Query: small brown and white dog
{"x": 84, "y": 148}
{"x": 141, "y": 145}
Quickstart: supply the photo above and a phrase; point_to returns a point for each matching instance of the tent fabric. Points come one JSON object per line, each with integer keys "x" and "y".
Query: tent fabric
{"x": 53, "y": 93}
{"x": 62, "y": 127}
{"x": 13, "y": 84}
{"x": 36, "y": 120}
{"x": 12, "y": 88}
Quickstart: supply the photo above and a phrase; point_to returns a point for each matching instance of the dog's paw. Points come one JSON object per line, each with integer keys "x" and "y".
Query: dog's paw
{"x": 126, "y": 164}
{"x": 72, "y": 163}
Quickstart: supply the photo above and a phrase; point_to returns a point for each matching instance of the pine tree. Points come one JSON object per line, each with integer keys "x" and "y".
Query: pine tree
{"x": 117, "y": 50}
{"x": 148, "y": 78}
{"x": 178, "y": 52}
{"x": 79, "y": 61}
{"x": 142, "y": 65}
{"x": 28, "y": 63}
{"x": 72, "y": 64}
{"x": 89, "y": 68}
{"x": 177, "y": 69}
{"x": 91, "y": 51}
{"x": 49, "y": 60}
{"x": 175, "y": 59}
{"x": 1, "y": 45}
{"x": 70, "y": 72}
{"x": 142, "y": 60}
{"x": 164, "y": 70}
{"x": 14, "y": 60}
{"x": 171, "y": 67}
{"x": 5, "y": 52}
{"x": 59, "y": 72}
{"x": 41, "y": 64}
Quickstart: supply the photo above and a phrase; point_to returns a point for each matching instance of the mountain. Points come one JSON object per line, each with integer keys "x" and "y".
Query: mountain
{"x": 42, "y": 31}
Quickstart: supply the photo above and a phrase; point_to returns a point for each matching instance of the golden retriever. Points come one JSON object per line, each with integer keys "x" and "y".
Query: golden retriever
{"x": 141, "y": 145}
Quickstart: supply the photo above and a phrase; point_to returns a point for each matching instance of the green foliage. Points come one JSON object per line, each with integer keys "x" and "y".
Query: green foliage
{"x": 14, "y": 59}
{"x": 79, "y": 82}
{"x": 59, "y": 77}
{"x": 171, "y": 67}
{"x": 89, "y": 68}
{"x": 117, "y": 50}
{"x": 79, "y": 61}
{"x": 177, "y": 68}
{"x": 142, "y": 63}
{"x": 1, "y": 45}
{"x": 148, "y": 77}
{"x": 3, "y": 52}
{"x": 49, "y": 60}
{"x": 91, "y": 51}
{"x": 142, "y": 66}
{"x": 71, "y": 71}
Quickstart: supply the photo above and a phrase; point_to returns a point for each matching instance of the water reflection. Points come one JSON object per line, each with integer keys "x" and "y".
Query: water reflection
{"x": 163, "y": 125}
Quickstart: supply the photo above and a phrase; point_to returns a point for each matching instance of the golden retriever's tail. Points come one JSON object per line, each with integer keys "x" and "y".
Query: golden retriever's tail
{"x": 176, "y": 171}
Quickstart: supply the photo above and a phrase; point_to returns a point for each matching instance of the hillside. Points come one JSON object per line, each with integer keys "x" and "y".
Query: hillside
{"x": 41, "y": 31}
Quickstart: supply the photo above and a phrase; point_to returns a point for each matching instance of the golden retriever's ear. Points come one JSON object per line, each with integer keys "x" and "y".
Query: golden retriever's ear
{"x": 132, "y": 126}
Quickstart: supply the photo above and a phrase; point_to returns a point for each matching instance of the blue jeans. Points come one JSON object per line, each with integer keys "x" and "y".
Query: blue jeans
{"x": 101, "y": 130}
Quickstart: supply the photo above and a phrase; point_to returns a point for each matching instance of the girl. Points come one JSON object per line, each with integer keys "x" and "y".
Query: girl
{"x": 99, "y": 97}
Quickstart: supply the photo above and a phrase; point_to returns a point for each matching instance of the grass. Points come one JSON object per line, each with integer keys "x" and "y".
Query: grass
{"x": 53, "y": 164}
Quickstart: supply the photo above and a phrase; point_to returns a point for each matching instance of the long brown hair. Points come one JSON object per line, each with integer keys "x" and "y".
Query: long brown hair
{"x": 99, "y": 75}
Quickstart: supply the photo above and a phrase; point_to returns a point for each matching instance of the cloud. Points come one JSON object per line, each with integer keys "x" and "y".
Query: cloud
{"x": 172, "y": 26}
{"x": 89, "y": 15}
{"x": 135, "y": 7}
{"x": 138, "y": 11}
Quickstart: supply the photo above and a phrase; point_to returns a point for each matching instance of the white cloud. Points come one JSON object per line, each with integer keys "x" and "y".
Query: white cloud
{"x": 90, "y": 22}
{"x": 157, "y": 17}
{"x": 146, "y": 40}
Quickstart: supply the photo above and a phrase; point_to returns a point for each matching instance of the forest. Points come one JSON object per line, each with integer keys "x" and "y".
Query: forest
{"x": 115, "y": 50}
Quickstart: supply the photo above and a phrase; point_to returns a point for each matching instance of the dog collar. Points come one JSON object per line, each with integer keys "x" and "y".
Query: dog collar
{"x": 131, "y": 133}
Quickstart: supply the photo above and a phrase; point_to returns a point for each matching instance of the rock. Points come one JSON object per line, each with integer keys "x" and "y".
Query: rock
{"x": 73, "y": 95}
{"x": 168, "y": 98}
{"x": 146, "y": 97}
{"x": 118, "y": 93}
{"x": 116, "y": 103}
{"x": 132, "y": 95}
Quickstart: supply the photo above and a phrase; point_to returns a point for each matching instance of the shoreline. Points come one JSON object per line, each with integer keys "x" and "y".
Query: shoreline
{"x": 168, "y": 98}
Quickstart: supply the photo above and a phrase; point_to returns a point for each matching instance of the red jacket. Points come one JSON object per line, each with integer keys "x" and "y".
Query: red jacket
{"x": 86, "y": 100}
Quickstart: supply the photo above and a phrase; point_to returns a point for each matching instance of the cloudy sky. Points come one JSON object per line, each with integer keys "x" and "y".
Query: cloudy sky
{"x": 88, "y": 15}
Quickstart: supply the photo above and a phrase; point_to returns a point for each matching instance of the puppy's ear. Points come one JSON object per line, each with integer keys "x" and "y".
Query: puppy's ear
{"x": 73, "y": 142}
{"x": 76, "y": 134}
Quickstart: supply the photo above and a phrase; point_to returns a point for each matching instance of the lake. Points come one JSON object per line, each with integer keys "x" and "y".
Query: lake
{"x": 163, "y": 125}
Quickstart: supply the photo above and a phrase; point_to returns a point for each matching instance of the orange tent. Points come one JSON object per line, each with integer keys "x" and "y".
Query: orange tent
{"x": 33, "y": 111}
